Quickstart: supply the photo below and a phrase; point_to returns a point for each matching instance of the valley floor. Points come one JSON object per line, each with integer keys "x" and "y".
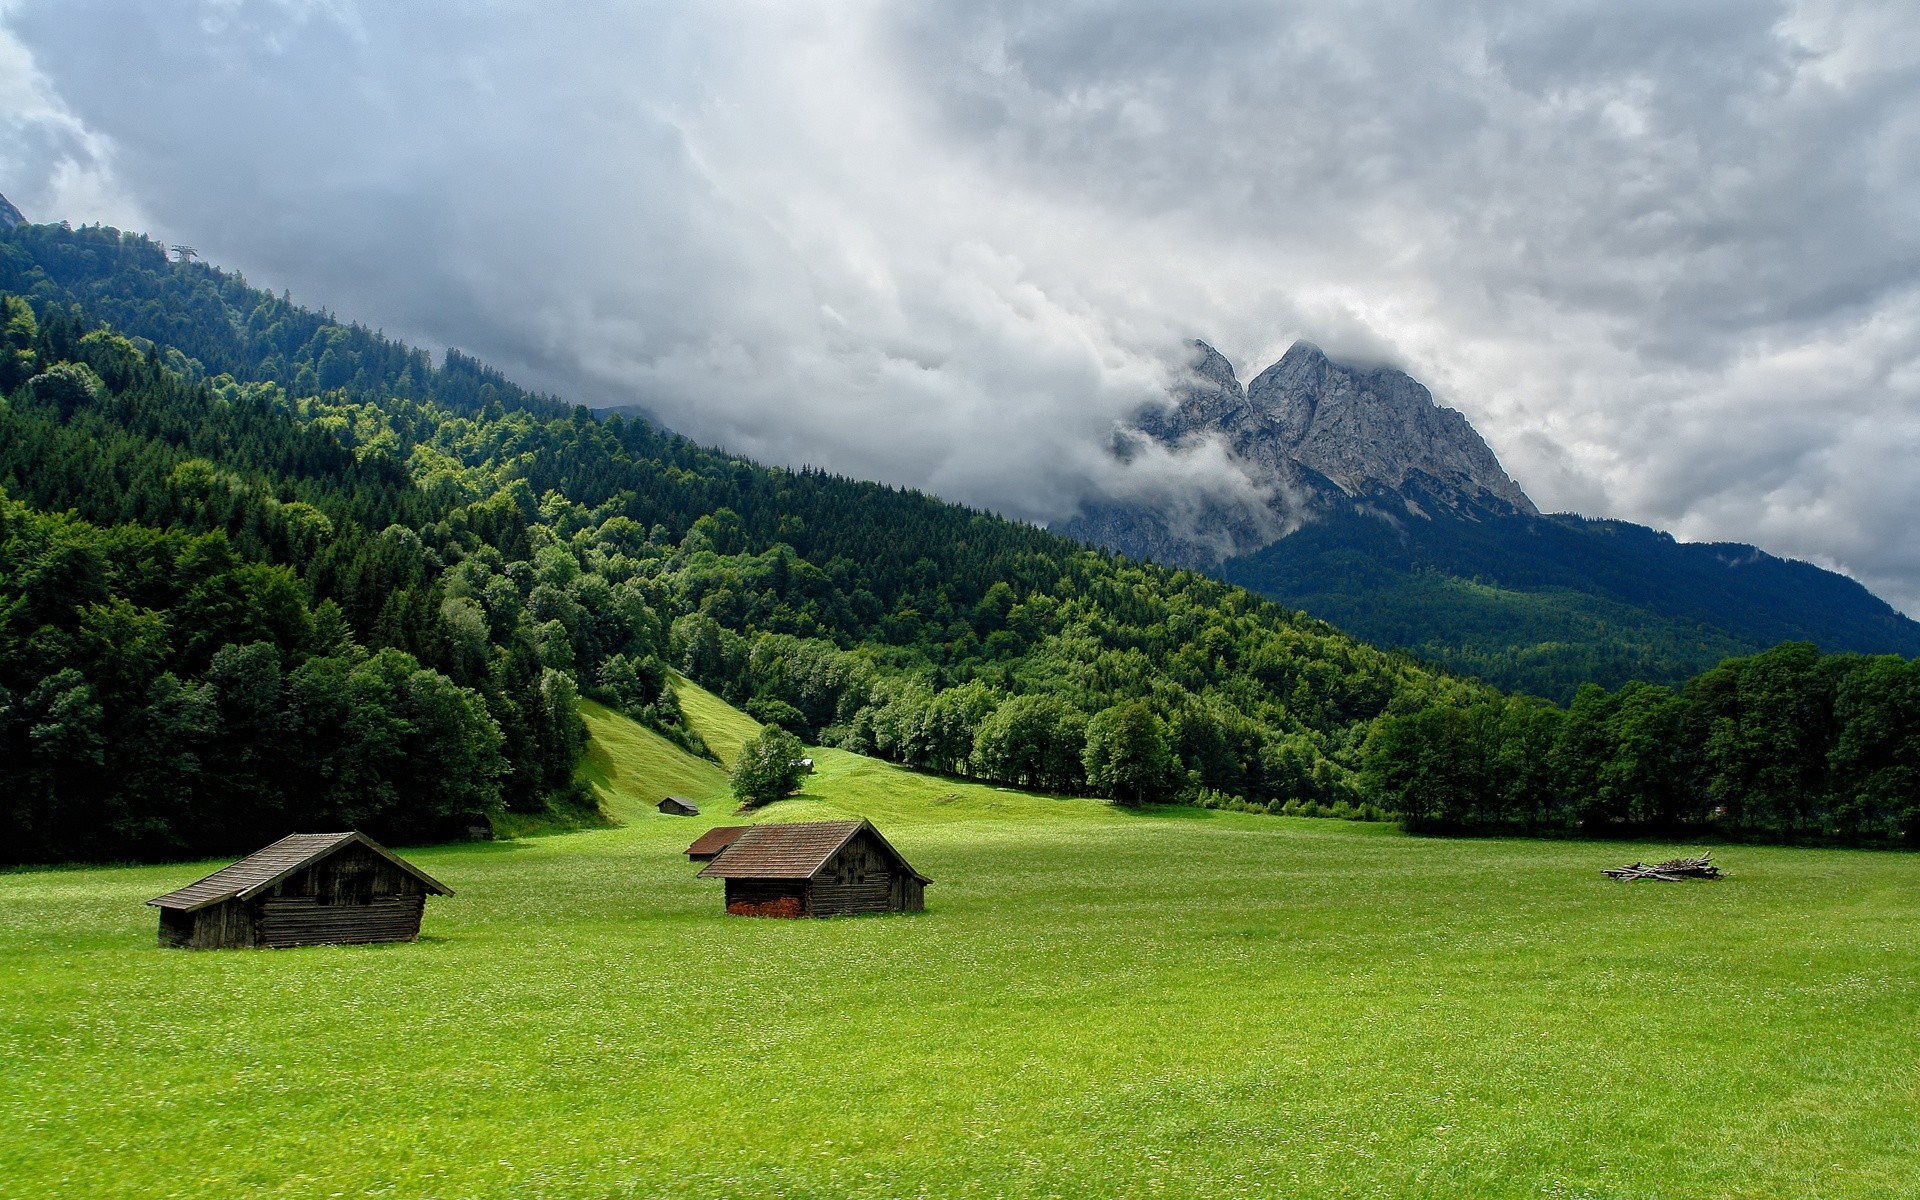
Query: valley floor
{"x": 1096, "y": 1003}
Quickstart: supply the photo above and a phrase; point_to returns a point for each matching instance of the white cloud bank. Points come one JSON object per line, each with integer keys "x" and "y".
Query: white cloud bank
{"x": 1667, "y": 260}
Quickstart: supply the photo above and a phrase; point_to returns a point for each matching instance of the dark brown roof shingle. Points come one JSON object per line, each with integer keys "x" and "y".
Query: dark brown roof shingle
{"x": 266, "y": 867}
{"x": 790, "y": 851}
{"x": 714, "y": 840}
{"x": 795, "y": 850}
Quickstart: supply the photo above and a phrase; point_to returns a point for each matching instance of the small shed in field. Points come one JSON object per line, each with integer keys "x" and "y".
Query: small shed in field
{"x": 305, "y": 889}
{"x": 713, "y": 841}
{"x": 675, "y": 806}
{"x": 815, "y": 869}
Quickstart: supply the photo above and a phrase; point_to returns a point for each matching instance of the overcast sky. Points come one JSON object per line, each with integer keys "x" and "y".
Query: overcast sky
{"x": 1665, "y": 257}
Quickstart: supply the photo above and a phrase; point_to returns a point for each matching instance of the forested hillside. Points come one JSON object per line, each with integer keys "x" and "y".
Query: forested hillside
{"x": 482, "y": 553}
{"x": 262, "y": 571}
{"x": 1545, "y": 604}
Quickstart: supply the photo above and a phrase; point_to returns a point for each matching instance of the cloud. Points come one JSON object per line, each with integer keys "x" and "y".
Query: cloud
{"x": 64, "y": 165}
{"x": 1666, "y": 258}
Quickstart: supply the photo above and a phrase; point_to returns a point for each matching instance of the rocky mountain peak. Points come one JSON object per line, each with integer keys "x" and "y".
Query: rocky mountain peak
{"x": 1314, "y": 436}
{"x": 1373, "y": 428}
{"x": 1207, "y": 395}
{"x": 1212, "y": 366}
{"x": 9, "y": 215}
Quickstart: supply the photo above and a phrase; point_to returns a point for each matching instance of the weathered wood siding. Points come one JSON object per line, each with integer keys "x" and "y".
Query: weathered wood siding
{"x": 349, "y": 897}
{"x": 176, "y": 928}
{"x": 305, "y": 921}
{"x": 354, "y": 875}
{"x": 909, "y": 894}
{"x": 226, "y": 925}
{"x": 860, "y": 878}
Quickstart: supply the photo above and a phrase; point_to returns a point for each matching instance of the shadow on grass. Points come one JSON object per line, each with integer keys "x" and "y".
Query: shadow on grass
{"x": 1168, "y": 812}
{"x": 1697, "y": 839}
{"x": 496, "y": 846}
{"x": 1190, "y": 812}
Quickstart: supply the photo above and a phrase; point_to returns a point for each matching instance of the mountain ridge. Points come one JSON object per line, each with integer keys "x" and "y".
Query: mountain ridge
{"x": 1388, "y": 514}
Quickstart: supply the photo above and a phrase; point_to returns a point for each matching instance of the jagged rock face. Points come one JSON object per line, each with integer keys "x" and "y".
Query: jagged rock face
{"x": 1314, "y": 436}
{"x": 1368, "y": 429}
{"x": 9, "y": 215}
{"x": 1208, "y": 398}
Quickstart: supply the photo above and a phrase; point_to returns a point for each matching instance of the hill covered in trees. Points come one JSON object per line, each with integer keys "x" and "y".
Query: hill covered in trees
{"x": 1548, "y": 603}
{"x": 176, "y": 443}
{"x": 261, "y": 570}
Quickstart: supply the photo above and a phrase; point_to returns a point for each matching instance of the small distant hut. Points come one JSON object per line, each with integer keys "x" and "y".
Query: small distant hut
{"x": 815, "y": 869}
{"x": 305, "y": 889}
{"x": 713, "y": 841}
{"x": 676, "y": 806}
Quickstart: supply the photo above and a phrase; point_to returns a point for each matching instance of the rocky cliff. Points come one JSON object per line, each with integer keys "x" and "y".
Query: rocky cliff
{"x": 9, "y": 215}
{"x": 1313, "y": 438}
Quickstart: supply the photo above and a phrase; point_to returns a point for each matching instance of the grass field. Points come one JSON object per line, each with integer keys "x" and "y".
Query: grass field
{"x": 1096, "y": 1003}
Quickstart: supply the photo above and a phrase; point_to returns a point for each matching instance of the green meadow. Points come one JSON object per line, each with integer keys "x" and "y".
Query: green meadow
{"x": 1095, "y": 1003}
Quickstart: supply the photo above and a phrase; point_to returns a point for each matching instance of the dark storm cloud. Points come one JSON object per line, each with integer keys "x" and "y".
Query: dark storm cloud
{"x": 1666, "y": 257}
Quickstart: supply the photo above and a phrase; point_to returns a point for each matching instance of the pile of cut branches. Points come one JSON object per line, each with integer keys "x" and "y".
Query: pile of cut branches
{"x": 1671, "y": 871}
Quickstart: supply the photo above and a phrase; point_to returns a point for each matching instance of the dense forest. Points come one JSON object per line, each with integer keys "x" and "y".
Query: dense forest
{"x": 261, "y": 570}
{"x": 1786, "y": 743}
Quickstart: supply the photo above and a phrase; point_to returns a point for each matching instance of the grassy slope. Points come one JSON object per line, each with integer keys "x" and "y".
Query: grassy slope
{"x": 724, "y": 727}
{"x": 1096, "y": 1003}
{"x": 632, "y": 768}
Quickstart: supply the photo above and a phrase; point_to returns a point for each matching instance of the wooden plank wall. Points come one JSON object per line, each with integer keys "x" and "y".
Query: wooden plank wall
{"x": 304, "y": 921}
{"x": 910, "y": 895}
{"x": 350, "y": 875}
{"x": 858, "y": 879}
{"x": 224, "y": 926}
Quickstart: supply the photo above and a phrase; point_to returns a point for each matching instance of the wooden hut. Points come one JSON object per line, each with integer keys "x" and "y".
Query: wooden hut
{"x": 713, "y": 841}
{"x": 305, "y": 889}
{"x": 675, "y": 806}
{"x": 815, "y": 869}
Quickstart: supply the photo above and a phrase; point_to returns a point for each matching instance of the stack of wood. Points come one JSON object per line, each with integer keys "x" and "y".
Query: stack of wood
{"x": 1671, "y": 871}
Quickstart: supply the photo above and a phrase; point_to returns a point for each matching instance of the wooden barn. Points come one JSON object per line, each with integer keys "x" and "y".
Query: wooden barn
{"x": 815, "y": 869}
{"x": 306, "y": 889}
{"x": 675, "y": 806}
{"x": 713, "y": 841}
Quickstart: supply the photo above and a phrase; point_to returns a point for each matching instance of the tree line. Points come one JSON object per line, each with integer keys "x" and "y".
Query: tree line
{"x": 1785, "y": 744}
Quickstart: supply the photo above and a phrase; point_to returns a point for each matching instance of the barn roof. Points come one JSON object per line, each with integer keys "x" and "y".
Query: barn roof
{"x": 263, "y": 868}
{"x": 795, "y": 850}
{"x": 714, "y": 840}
